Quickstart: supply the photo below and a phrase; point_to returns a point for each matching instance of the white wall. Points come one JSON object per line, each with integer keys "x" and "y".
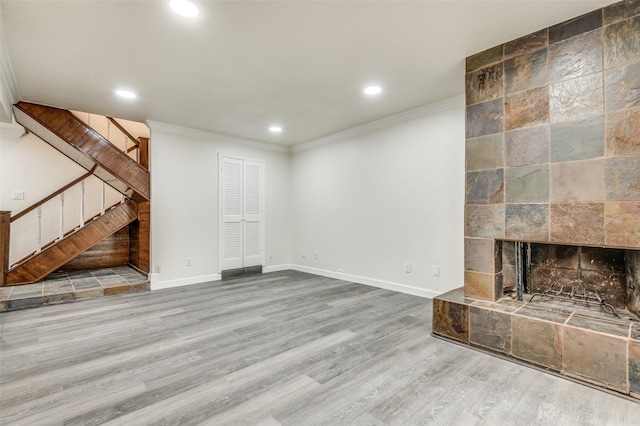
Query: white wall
{"x": 184, "y": 203}
{"x": 370, "y": 203}
{"x": 367, "y": 204}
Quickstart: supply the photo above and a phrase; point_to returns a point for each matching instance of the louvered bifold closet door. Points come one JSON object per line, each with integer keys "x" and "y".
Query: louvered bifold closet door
{"x": 231, "y": 212}
{"x": 242, "y": 213}
{"x": 253, "y": 223}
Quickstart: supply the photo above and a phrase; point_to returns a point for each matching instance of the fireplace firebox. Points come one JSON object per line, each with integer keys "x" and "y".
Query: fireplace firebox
{"x": 598, "y": 278}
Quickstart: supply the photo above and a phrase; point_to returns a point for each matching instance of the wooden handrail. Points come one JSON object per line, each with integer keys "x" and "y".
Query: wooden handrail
{"x": 55, "y": 194}
{"x": 123, "y": 130}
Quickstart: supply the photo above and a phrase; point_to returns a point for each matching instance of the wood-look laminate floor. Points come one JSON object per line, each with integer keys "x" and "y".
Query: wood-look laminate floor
{"x": 284, "y": 348}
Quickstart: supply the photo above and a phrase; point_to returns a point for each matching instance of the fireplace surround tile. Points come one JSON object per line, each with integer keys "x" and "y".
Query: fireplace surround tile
{"x": 577, "y": 98}
{"x": 573, "y": 27}
{"x": 580, "y": 223}
{"x": 634, "y": 367}
{"x": 485, "y": 152}
{"x": 480, "y": 285}
{"x": 485, "y": 118}
{"x": 622, "y": 87}
{"x": 490, "y": 329}
{"x": 622, "y": 133}
{"x": 621, "y": 10}
{"x": 478, "y": 255}
{"x": 527, "y": 222}
{"x": 622, "y": 178}
{"x": 622, "y": 224}
{"x": 527, "y": 147}
{"x": 526, "y": 71}
{"x": 577, "y": 140}
{"x": 486, "y": 57}
{"x": 635, "y": 331}
{"x": 503, "y": 305}
{"x": 451, "y": 319}
{"x": 622, "y": 43}
{"x": 485, "y": 187}
{"x": 536, "y": 341}
{"x": 527, "y": 44}
{"x": 577, "y": 181}
{"x": 485, "y": 221}
{"x": 576, "y": 56}
{"x": 484, "y": 84}
{"x": 597, "y": 357}
{"x": 525, "y": 109}
{"x": 614, "y": 328}
{"x": 528, "y": 184}
{"x": 555, "y": 315}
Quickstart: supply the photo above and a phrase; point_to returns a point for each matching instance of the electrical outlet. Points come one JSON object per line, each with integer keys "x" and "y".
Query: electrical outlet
{"x": 407, "y": 268}
{"x": 316, "y": 254}
{"x": 157, "y": 269}
{"x": 188, "y": 261}
{"x": 436, "y": 271}
{"x": 303, "y": 253}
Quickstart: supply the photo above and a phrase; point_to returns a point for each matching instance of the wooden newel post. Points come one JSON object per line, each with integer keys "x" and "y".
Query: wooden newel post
{"x": 5, "y": 228}
{"x": 144, "y": 152}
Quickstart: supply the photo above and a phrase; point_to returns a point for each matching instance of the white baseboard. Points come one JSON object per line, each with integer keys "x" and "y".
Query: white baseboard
{"x": 277, "y": 268}
{"x": 387, "y": 285}
{"x": 156, "y": 284}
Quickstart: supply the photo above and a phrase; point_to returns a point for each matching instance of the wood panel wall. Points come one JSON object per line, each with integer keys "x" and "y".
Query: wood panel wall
{"x": 5, "y": 228}
{"x": 139, "y": 234}
{"x": 110, "y": 252}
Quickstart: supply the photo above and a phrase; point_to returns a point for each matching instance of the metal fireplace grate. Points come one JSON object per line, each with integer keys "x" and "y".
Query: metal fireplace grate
{"x": 579, "y": 295}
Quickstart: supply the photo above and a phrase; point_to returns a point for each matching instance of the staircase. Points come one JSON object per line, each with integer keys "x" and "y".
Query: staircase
{"x": 69, "y": 135}
{"x": 79, "y": 142}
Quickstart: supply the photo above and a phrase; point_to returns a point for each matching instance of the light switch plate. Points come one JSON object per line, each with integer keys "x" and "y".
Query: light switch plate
{"x": 17, "y": 195}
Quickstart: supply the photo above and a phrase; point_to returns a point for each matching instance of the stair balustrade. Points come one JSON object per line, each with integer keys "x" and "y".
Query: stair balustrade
{"x": 59, "y": 215}
{"x": 116, "y": 133}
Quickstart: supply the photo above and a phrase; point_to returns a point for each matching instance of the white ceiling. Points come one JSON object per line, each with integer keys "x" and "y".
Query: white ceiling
{"x": 241, "y": 66}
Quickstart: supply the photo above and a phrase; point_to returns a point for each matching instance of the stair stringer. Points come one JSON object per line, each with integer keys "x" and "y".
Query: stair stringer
{"x": 53, "y": 257}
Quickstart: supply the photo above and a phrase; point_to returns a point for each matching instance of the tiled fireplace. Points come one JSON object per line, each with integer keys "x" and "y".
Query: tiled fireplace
{"x": 553, "y": 160}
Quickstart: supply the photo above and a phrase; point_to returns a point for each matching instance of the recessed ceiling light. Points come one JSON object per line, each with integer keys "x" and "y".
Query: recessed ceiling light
{"x": 126, "y": 94}
{"x": 373, "y": 90}
{"x": 184, "y": 8}
{"x": 275, "y": 129}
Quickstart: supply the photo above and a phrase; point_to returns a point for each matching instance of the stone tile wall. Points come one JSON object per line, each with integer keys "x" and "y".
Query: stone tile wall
{"x": 553, "y": 141}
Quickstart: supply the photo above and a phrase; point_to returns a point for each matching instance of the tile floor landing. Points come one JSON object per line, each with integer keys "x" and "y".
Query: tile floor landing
{"x": 62, "y": 287}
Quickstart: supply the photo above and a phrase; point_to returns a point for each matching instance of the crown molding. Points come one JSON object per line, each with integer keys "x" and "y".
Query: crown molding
{"x": 422, "y": 111}
{"x": 218, "y": 137}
